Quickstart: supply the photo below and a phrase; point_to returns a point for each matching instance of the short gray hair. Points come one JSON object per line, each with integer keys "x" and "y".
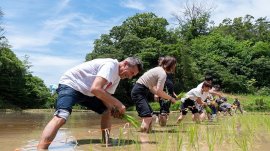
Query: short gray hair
{"x": 134, "y": 61}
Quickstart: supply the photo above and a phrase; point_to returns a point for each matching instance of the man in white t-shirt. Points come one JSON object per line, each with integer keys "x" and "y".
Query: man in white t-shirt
{"x": 90, "y": 84}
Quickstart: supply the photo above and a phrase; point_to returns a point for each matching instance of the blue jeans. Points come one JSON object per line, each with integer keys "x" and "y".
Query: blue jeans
{"x": 68, "y": 97}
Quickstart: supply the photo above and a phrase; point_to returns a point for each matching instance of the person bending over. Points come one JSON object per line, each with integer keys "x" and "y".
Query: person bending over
{"x": 193, "y": 100}
{"x": 90, "y": 84}
{"x": 152, "y": 81}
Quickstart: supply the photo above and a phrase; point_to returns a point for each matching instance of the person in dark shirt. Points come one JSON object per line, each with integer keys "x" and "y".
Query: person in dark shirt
{"x": 165, "y": 104}
{"x": 225, "y": 107}
{"x": 237, "y": 104}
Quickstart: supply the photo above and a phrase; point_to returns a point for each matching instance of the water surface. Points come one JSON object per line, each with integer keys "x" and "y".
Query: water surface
{"x": 21, "y": 131}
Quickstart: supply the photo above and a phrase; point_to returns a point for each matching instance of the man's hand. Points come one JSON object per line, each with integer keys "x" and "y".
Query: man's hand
{"x": 121, "y": 109}
{"x": 118, "y": 111}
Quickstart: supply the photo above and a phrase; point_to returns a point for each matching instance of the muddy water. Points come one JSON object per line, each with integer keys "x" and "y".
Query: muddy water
{"x": 21, "y": 132}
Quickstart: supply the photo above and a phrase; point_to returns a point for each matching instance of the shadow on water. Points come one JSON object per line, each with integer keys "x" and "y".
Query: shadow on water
{"x": 114, "y": 142}
{"x": 172, "y": 125}
{"x": 210, "y": 123}
{"x": 165, "y": 131}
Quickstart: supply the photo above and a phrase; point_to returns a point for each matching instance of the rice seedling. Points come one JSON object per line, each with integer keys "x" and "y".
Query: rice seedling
{"x": 179, "y": 138}
{"x": 131, "y": 120}
{"x": 211, "y": 138}
{"x": 208, "y": 110}
{"x": 193, "y": 136}
{"x": 238, "y": 132}
{"x": 120, "y": 136}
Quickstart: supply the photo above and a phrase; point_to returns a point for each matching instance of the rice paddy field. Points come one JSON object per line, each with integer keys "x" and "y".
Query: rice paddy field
{"x": 226, "y": 133}
{"x": 247, "y": 132}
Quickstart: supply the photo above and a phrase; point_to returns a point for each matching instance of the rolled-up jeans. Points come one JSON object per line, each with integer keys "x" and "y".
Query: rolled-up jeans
{"x": 68, "y": 97}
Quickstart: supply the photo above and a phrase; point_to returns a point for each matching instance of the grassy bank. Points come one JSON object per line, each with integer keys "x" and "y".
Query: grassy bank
{"x": 253, "y": 103}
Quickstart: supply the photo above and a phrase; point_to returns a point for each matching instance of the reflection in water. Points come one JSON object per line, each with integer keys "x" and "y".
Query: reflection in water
{"x": 18, "y": 129}
{"x": 81, "y": 132}
{"x": 62, "y": 142}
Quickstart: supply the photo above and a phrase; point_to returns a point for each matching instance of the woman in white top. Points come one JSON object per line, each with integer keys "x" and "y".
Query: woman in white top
{"x": 152, "y": 81}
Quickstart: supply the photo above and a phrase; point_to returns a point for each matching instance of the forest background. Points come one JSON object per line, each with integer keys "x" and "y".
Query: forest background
{"x": 236, "y": 53}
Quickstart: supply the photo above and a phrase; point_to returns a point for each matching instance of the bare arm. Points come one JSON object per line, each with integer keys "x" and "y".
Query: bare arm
{"x": 199, "y": 101}
{"x": 106, "y": 98}
{"x": 161, "y": 93}
{"x": 215, "y": 93}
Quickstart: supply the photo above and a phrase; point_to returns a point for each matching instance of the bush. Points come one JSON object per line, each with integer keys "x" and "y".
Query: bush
{"x": 259, "y": 104}
{"x": 263, "y": 91}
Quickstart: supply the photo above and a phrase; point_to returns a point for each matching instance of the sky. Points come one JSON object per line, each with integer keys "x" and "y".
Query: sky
{"x": 57, "y": 34}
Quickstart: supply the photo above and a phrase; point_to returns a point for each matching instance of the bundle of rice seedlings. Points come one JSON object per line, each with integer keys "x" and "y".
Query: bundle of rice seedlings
{"x": 207, "y": 109}
{"x": 180, "y": 95}
{"x": 127, "y": 117}
{"x": 131, "y": 120}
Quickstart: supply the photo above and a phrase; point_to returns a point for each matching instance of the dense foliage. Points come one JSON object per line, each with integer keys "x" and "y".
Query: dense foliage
{"x": 236, "y": 53}
{"x": 19, "y": 89}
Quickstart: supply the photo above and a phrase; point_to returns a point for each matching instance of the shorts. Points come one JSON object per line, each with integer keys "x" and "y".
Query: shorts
{"x": 189, "y": 104}
{"x": 139, "y": 95}
{"x": 68, "y": 97}
{"x": 164, "y": 106}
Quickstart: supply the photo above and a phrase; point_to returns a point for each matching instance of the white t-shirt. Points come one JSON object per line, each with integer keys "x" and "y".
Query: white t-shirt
{"x": 200, "y": 85}
{"x": 195, "y": 93}
{"x": 210, "y": 92}
{"x": 82, "y": 76}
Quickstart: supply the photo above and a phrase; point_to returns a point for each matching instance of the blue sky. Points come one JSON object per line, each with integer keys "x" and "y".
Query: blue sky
{"x": 57, "y": 34}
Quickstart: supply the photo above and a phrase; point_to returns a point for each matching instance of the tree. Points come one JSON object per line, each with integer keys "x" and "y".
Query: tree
{"x": 260, "y": 64}
{"x": 142, "y": 35}
{"x": 130, "y": 37}
{"x": 1, "y": 28}
{"x": 223, "y": 57}
{"x": 246, "y": 28}
{"x": 11, "y": 76}
{"x": 3, "y": 40}
{"x": 18, "y": 87}
{"x": 194, "y": 21}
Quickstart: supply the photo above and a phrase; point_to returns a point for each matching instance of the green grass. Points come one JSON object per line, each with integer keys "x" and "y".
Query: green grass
{"x": 250, "y": 102}
{"x": 253, "y": 103}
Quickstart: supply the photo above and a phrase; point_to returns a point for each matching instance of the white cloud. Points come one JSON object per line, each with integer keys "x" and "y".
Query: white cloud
{"x": 221, "y": 8}
{"x": 166, "y": 8}
{"x": 87, "y": 25}
{"x": 39, "y": 36}
{"x": 62, "y": 5}
{"x": 50, "y": 68}
{"x": 76, "y": 30}
{"x": 134, "y": 4}
{"x": 240, "y": 8}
